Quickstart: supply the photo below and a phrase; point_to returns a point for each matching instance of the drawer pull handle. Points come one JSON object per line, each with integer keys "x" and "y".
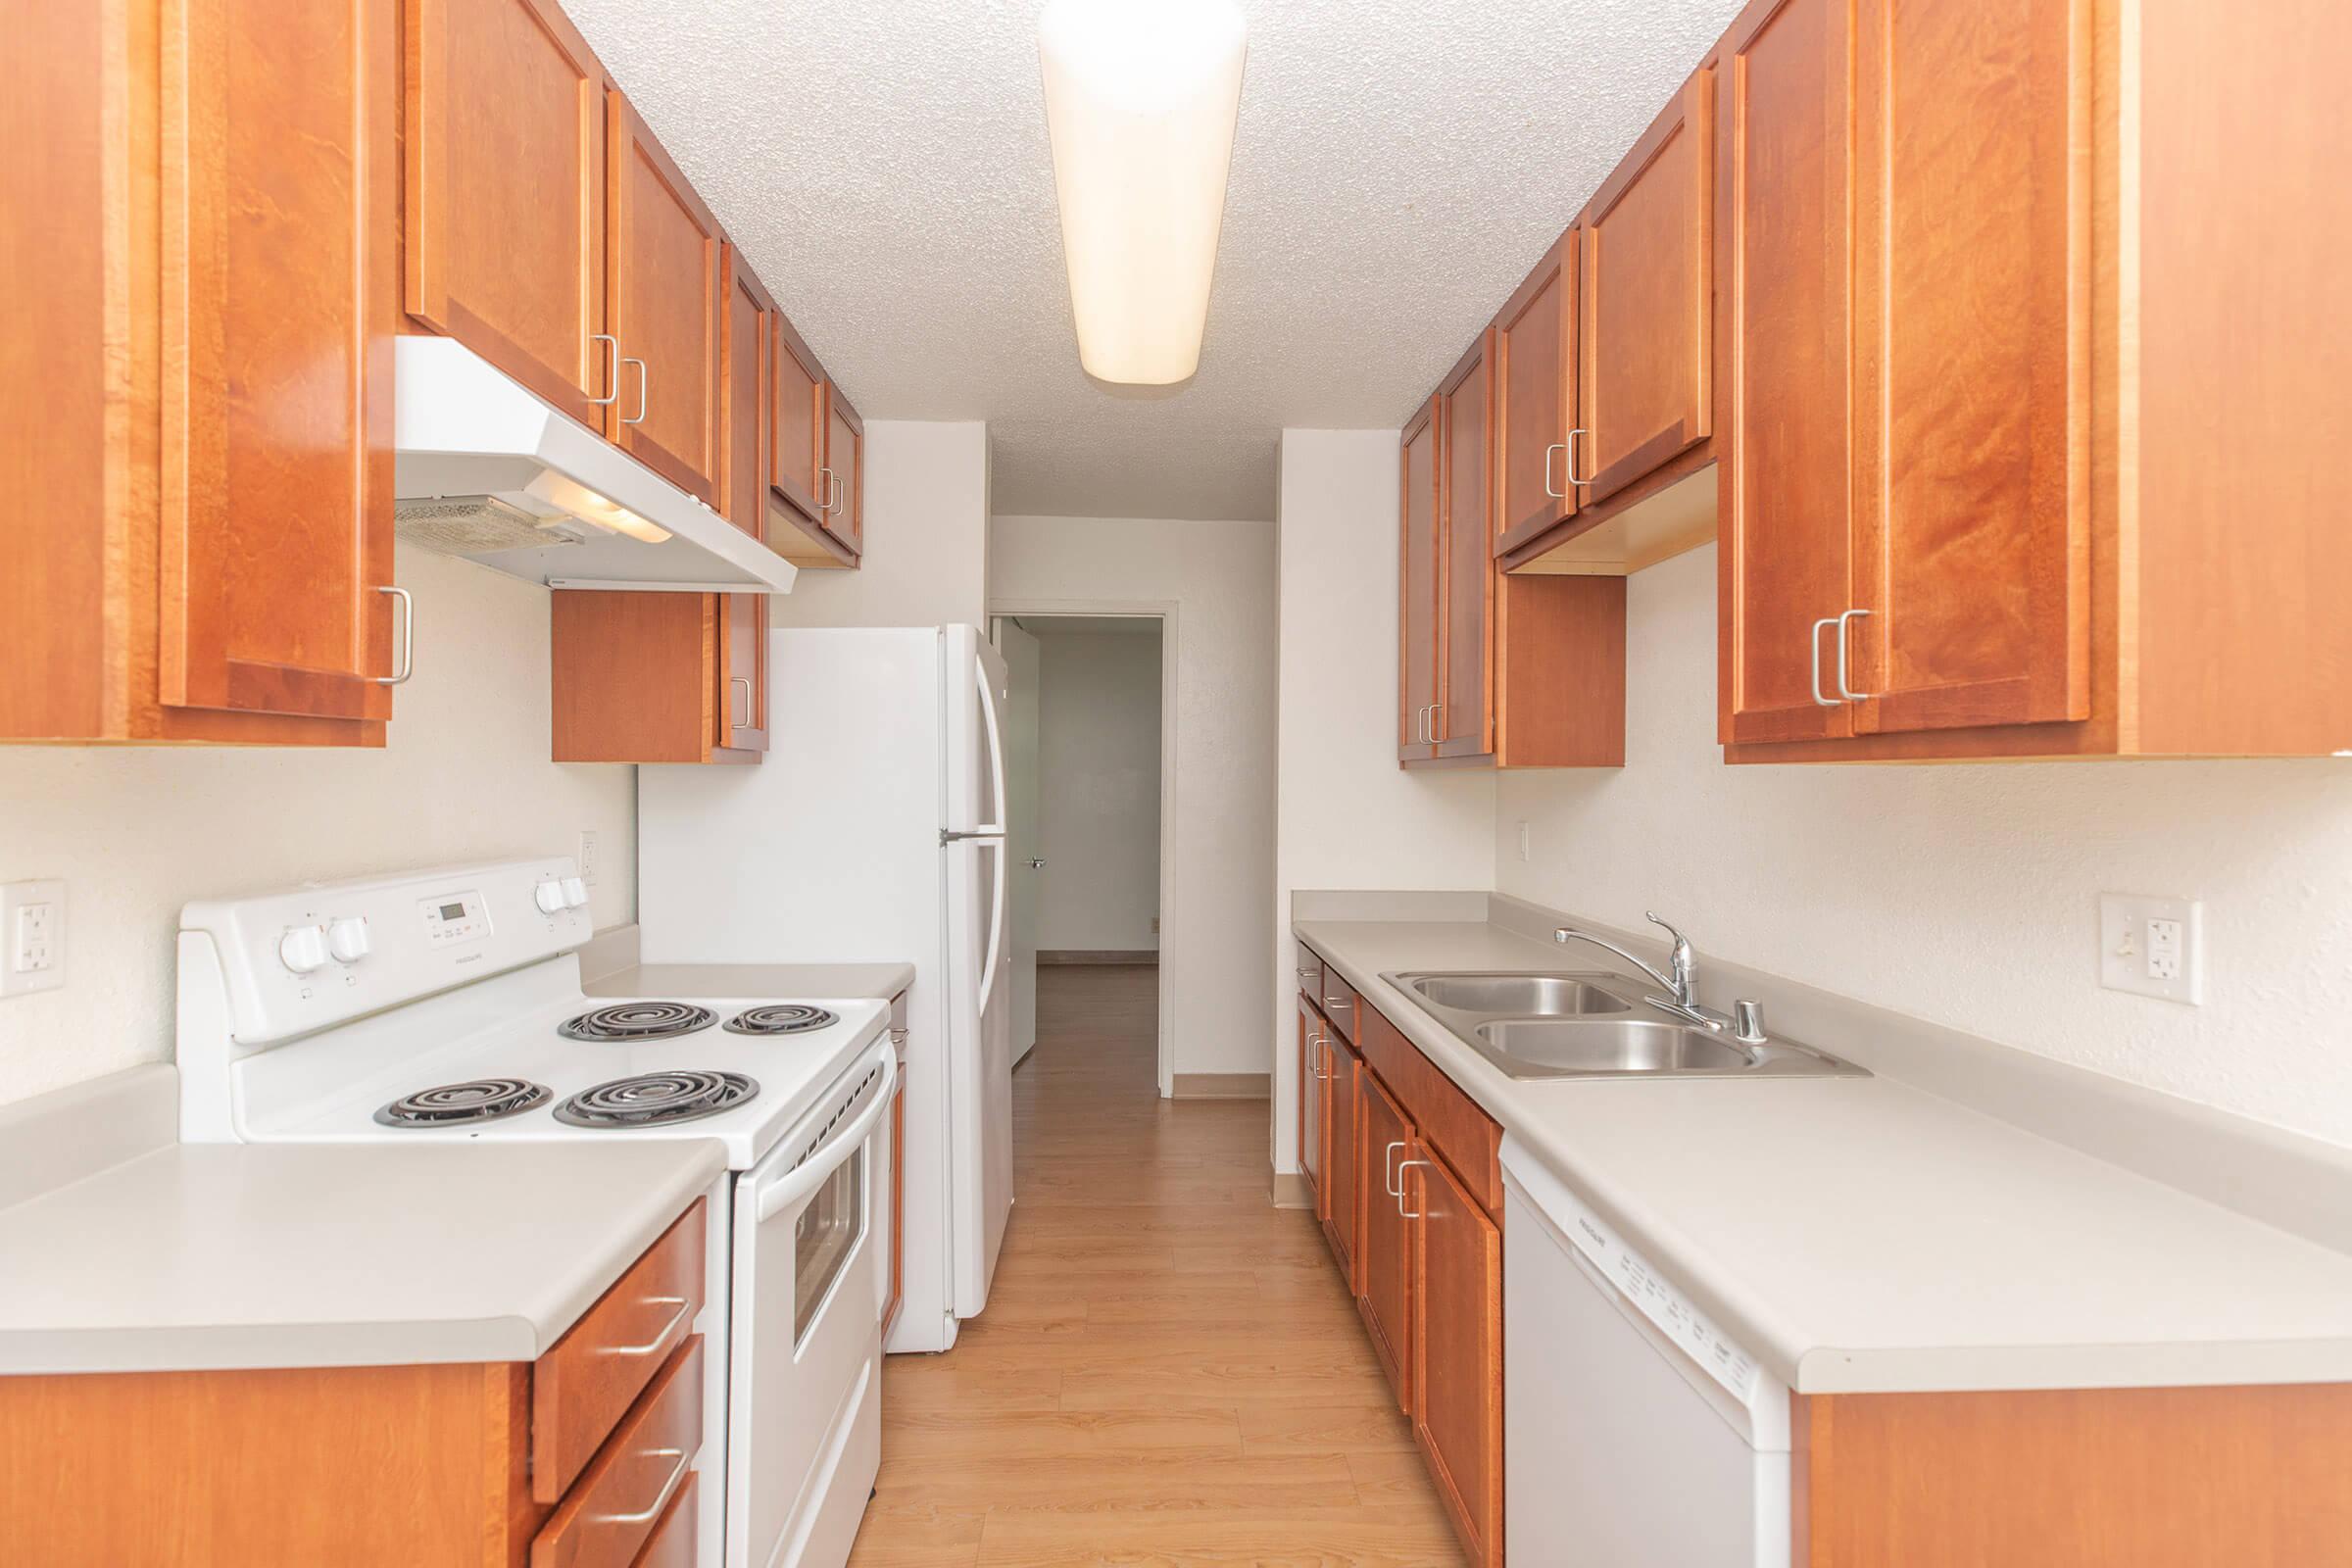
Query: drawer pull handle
{"x": 669, "y": 1490}
{"x": 660, "y": 1342}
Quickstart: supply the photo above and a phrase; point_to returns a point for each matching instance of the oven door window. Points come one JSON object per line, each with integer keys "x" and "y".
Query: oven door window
{"x": 824, "y": 1239}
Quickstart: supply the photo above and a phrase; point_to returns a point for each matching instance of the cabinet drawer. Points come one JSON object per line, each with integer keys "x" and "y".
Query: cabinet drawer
{"x": 1450, "y": 1121}
{"x": 580, "y": 1387}
{"x": 1310, "y": 973}
{"x": 1339, "y": 1004}
{"x": 672, "y": 1545}
{"x": 610, "y": 1516}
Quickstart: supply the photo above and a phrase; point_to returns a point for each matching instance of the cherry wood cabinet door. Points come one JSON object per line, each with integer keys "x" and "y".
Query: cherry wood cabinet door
{"x": 1535, "y": 393}
{"x": 1418, "y": 613}
{"x": 1648, "y": 300}
{"x": 844, "y": 470}
{"x": 1787, "y": 480}
{"x": 1457, "y": 1353}
{"x": 280, "y": 204}
{"x": 1344, "y": 1157}
{"x": 743, "y": 628}
{"x": 663, "y": 298}
{"x": 798, "y": 447}
{"x": 506, "y": 117}
{"x": 1971, "y": 365}
{"x": 1384, "y": 1291}
{"x": 1465, "y": 716}
{"x": 1311, "y": 1069}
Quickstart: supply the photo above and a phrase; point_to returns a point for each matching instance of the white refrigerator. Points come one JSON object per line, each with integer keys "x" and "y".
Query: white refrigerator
{"x": 874, "y": 831}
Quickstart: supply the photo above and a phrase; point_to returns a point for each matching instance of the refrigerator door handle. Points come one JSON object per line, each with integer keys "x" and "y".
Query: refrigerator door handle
{"x": 996, "y": 924}
{"x": 993, "y": 736}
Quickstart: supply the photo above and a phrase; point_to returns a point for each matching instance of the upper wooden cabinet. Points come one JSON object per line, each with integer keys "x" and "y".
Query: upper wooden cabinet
{"x": 844, "y": 471}
{"x": 507, "y": 117}
{"x": 2007, "y": 523}
{"x": 1494, "y": 670}
{"x": 197, "y": 382}
{"x": 800, "y": 422}
{"x": 1647, "y": 303}
{"x": 749, "y": 338}
{"x": 664, "y": 296}
{"x": 1536, "y": 397}
{"x": 819, "y": 477}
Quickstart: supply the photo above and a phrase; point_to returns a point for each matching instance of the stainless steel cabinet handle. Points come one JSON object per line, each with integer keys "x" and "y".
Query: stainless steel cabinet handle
{"x": 744, "y": 681}
{"x": 611, "y": 368}
{"x": 669, "y": 1490}
{"x": 1387, "y": 1173}
{"x": 644, "y": 387}
{"x": 1819, "y": 700}
{"x": 1437, "y": 723}
{"x": 1556, "y": 495}
{"x": 1571, "y": 450}
{"x": 831, "y": 489}
{"x": 661, "y": 1341}
{"x": 1845, "y": 690}
{"x": 405, "y": 631}
{"x": 1410, "y": 1213}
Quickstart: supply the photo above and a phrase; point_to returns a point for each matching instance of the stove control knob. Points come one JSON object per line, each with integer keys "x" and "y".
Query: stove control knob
{"x": 549, "y": 896}
{"x": 346, "y": 939}
{"x": 302, "y": 948}
{"x": 575, "y": 893}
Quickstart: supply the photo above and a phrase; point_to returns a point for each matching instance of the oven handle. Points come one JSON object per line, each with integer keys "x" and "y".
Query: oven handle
{"x": 807, "y": 1176}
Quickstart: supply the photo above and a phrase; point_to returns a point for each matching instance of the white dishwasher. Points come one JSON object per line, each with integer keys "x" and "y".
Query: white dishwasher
{"x": 1634, "y": 1434}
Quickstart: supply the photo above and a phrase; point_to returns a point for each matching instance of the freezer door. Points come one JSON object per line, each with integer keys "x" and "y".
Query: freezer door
{"x": 979, "y": 1065}
{"x": 973, "y": 683}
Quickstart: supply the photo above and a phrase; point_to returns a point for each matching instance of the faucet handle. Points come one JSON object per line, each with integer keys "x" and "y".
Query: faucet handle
{"x": 1747, "y": 1021}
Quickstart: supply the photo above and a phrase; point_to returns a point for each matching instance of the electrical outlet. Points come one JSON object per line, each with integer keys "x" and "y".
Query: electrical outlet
{"x": 33, "y": 921}
{"x": 588, "y": 855}
{"x": 2152, "y": 947}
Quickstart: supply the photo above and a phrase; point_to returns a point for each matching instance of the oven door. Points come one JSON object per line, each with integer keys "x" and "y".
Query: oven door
{"x": 804, "y": 1364}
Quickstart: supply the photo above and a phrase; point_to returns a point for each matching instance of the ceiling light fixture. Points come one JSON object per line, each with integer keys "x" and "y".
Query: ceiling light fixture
{"x": 1141, "y": 97}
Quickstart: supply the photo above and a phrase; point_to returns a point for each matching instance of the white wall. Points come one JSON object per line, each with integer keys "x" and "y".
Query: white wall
{"x": 1348, "y": 816}
{"x": 1218, "y": 577}
{"x": 1097, "y": 791}
{"x": 137, "y": 831}
{"x": 1968, "y": 895}
{"x": 926, "y": 534}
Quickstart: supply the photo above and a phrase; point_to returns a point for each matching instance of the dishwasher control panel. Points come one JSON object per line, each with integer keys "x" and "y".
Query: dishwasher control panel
{"x": 1686, "y": 1325}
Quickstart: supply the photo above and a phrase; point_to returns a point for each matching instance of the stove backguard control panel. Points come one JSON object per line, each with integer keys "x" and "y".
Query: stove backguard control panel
{"x": 285, "y": 964}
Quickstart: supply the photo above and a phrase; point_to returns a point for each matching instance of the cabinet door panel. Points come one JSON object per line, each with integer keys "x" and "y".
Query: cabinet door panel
{"x": 844, "y": 471}
{"x": 1535, "y": 382}
{"x": 1383, "y": 1270}
{"x": 1311, "y": 1068}
{"x": 1417, "y": 616}
{"x": 1972, "y": 362}
{"x": 799, "y": 442}
{"x": 1343, "y": 1163}
{"x": 1648, "y": 298}
{"x": 1457, "y": 1354}
{"x": 664, "y": 299}
{"x": 280, "y": 209}
{"x": 506, "y": 116}
{"x": 751, "y": 333}
{"x": 1786, "y": 482}
{"x": 1465, "y": 722}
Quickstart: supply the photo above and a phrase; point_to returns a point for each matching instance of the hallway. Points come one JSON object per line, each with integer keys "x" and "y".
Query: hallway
{"x": 1169, "y": 1370}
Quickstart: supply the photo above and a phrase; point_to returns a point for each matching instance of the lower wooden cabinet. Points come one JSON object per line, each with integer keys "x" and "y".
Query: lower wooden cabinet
{"x": 202, "y": 243}
{"x": 1405, "y": 1183}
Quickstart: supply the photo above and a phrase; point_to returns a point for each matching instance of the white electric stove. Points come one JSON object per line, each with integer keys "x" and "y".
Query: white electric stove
{"x": 446, "y": 1006}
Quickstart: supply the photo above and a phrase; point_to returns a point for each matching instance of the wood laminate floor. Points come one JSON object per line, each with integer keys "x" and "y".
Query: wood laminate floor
{"x": 1169, "y": 1370}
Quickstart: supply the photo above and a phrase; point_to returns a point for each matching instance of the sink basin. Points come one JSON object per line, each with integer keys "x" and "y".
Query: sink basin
{"x": 1614, "y": 1045}
{"x": 1519, "y": 996}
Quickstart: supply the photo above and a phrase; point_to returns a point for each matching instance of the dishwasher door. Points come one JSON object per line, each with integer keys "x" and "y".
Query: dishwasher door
{"x": 1619, "y": 1447}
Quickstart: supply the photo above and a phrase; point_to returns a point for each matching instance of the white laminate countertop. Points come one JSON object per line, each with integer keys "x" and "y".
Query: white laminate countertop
{"x": 786, "y": 982}
{"x": 202, "y": 1255}
{"x": 1861, "y": 1234}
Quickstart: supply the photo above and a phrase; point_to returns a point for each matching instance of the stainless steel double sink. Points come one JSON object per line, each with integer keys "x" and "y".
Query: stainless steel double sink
{"x": 1594, "y": 1024}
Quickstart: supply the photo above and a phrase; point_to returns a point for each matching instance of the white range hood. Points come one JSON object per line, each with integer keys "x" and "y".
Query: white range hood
{"x": 486, "y": 470}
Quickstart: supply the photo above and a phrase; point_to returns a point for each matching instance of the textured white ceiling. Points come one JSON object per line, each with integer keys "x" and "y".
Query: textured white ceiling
{"x": 1399, "y": 167}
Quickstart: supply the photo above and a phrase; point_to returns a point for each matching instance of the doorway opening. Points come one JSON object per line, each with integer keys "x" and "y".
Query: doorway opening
{"x": 1088, "y": 757}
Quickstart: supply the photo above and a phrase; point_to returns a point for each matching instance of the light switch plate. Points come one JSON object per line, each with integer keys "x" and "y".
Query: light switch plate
{"x": 32, "y": 936}
{"x": 2152, "y": 947}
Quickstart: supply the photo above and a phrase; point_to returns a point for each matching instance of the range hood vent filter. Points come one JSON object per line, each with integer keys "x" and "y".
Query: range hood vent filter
{"x": 466, "y": 525}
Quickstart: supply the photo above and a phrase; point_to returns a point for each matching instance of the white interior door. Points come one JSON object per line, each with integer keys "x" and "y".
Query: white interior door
{"x": 1020, "y": 652}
